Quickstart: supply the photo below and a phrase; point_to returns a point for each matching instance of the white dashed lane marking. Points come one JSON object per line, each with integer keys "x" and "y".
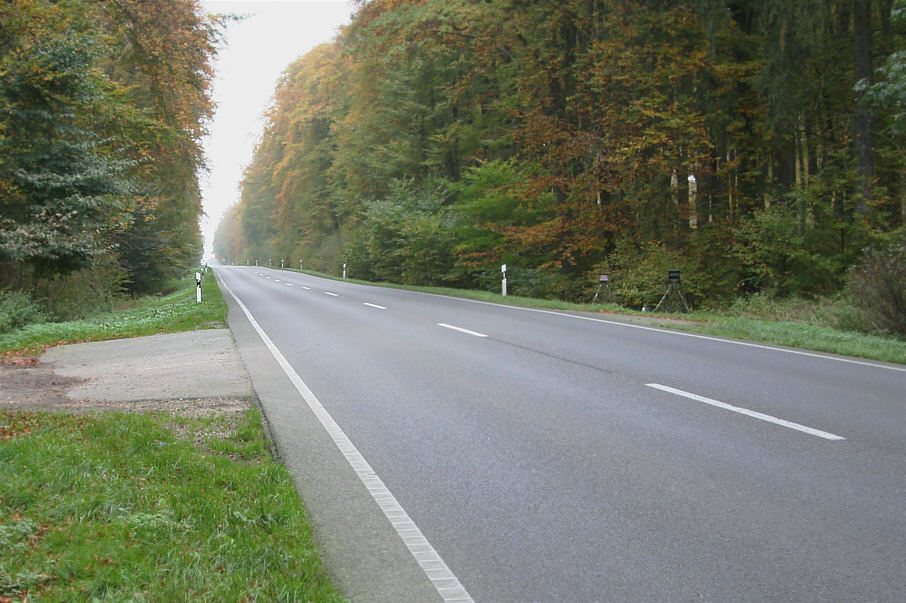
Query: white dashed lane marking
{"x": 747, "y": 412}
{"x": 461, "y": 330}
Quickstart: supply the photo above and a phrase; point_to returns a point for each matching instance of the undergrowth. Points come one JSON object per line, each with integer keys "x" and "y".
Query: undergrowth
{"x": 150, "y": 315}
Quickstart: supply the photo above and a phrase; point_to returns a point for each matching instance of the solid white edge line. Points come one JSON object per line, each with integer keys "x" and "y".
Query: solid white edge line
{"x": 374, "y": 306}
{"x": 747, "y": 412}
{"x": 444, "y": 581}
{"x": 672, "y": 332}
{"x": 461, "y": 330}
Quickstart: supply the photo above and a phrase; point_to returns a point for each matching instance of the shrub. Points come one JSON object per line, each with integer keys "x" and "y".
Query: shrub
{"x": 18, "y": 310}
{"x": 639, "y": 273}
{"x": 81, "y": 293}
{"x": 404, "y": 238}
{"x": 834, "y": 312}
{"x": 877, "y": 286}
{"x": 802, "y": 244}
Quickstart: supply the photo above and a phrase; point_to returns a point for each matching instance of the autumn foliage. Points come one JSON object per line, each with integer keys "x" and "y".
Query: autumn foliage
{"x": 433, "y": 140}
{"x": 102, "y": 111}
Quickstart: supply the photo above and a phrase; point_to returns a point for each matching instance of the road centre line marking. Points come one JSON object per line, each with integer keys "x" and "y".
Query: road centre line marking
{"x": 375, "y": 306}
{"x": 679, "y": 333}
{"x": 673, "y": 332}
{"x": 306, "y": 288}
{"x": 330, "y": 294}
{"x": 746, "y": 411}
{"x": 461, "y": 330}
{"x": 444, "y": 581}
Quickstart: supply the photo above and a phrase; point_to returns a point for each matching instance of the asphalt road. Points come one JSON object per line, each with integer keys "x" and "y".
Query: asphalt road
{"x": 556, "y": 457}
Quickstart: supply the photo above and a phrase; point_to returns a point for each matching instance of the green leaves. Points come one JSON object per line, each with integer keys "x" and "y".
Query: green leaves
{"x": 695, "y": 129}
{"x": 405, "y": 237}
{"x": 101, "y": 109}
{"x": 62, "y": 185}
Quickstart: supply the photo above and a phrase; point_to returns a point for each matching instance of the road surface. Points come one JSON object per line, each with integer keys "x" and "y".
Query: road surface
{"x": 547, "y": 456}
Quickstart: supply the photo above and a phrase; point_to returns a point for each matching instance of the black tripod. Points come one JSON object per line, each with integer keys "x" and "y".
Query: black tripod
{"x": 674, "y": 295}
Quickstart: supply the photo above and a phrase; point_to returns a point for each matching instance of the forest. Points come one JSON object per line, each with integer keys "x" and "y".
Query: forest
{"x": 103, "y": 106}
{"x": 756, "y": 145}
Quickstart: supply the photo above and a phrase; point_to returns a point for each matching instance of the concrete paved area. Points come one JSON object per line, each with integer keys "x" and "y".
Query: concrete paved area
{"x": 194, "y": 364}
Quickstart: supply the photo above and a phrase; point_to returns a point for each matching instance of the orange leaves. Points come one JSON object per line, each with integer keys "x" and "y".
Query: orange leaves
{"x": 17, "y": 424}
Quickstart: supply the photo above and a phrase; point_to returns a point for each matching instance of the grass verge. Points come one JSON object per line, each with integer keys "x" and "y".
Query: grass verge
{"x": 797, "y": 334}
{"x": 120, "y": 506}
{"x": 150, "y": 315}
{"x": 116, "y": 507}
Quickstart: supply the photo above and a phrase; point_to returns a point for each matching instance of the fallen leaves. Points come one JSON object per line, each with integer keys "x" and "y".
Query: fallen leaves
{"x": 19, "y": 361}
{"x": 17, "y": 424}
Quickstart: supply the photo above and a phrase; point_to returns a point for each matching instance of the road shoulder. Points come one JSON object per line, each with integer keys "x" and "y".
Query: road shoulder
{"x": 361, "y": 551}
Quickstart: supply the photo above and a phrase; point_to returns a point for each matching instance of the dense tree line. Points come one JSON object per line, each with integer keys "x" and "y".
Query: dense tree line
{"x": 102, "y": 110}
{"x": 755, "y": 144}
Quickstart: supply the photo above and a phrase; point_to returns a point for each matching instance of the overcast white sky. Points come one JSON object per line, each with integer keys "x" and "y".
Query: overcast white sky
{"x": 258, "y": 50}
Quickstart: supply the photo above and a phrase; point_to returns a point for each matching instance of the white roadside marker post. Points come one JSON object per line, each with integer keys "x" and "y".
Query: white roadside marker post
{"x": 198, "y": 287}
{"x": 344, "y": 270}
{"x": 503, "y": 284}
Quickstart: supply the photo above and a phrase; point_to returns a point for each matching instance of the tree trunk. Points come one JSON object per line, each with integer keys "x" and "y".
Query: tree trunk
{"x": 862, "y": 48}
{"x": 693, "y": 202}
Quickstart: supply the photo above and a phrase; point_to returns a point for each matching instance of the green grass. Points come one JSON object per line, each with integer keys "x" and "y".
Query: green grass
{"x": 802, "y": 333}
{"x": 171, "y": 313}
{"x": 799, "y": 335}
{"x": 116, "y": 507}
